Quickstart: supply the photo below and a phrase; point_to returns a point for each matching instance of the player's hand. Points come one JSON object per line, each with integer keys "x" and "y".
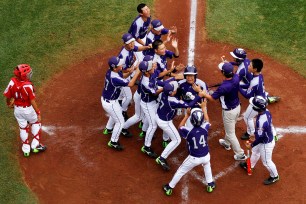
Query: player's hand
{"x": 252, "y": 138}
{"x": 188, "y": 111}
{"x": 180, "y": 67}
{"x": 196, "y": 88}
{"x": 174, "y": 43}
{"x": 39, "y": 118}
{"x": 173, "y": 29}
{"x": 248, "y": 144}
{"x": 203, "y": 104}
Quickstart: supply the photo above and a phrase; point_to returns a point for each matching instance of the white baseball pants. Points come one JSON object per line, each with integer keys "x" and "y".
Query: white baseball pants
{"x": 149, "y": 110}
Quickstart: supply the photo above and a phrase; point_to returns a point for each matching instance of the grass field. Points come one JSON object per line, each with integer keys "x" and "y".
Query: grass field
{"x": 49, "y": 35}
{"x": 274, "y": 27}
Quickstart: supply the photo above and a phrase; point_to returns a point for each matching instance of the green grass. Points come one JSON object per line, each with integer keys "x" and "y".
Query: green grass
{"x": 274, "y": 27}
{"x": 49, "y": 35}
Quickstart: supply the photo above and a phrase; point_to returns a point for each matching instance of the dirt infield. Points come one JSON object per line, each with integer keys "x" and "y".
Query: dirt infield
{"x": 78, "y": 167}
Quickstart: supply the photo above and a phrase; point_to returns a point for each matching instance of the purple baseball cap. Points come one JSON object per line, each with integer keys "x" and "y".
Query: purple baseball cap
{"x": 157, "y": 25}
{"x": 148, "y": 58}
{"x": 145, "y": 66}
{"x": 226, "y": 67}
{"x": 127, "y": 38}
{"x": 115, "y": 62}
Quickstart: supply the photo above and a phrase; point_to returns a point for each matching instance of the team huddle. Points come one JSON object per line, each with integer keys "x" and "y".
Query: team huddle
{"x": 165, "y": 90}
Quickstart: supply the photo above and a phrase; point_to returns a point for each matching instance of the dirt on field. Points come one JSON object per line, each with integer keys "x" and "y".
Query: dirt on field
{"x": 79, "y": 167}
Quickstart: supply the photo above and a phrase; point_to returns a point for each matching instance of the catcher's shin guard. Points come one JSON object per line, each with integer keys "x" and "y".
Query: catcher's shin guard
{"x": 24, "y": 134}
{"x": 36, "y": 131}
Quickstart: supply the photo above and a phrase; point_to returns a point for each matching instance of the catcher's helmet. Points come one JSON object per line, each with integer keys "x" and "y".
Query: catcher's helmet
{"x": 196, "y": 117}
{"x": 239, "y": 53}
{"x": 190, "y": 70}
{"x": 259, "y": 103}
{"x": 23, "y": 72}
{"x": 170, "y": 87}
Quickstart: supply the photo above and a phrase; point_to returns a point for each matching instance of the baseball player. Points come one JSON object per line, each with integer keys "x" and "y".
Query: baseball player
{"x": 161, "y": 55}
{"x": 241, "y": 60}
{"x": 140, "y": 27}
{"x": 20, "y": 96}
{"x": 127, "y": 56}
{"x": 165, "y": 114}
{"x": 198, "y": 148}
{"x": 114, "y": 81}
{"x": 256, "y": 88}
{"x": 227, "y": 93}
{"x": 156, "y": 33}
{"x": 263, "y": 143}
{"x": 148, "y": 103}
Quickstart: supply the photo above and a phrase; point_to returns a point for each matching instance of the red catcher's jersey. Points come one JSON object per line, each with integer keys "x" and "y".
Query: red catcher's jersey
{"x": 21, "y": 91}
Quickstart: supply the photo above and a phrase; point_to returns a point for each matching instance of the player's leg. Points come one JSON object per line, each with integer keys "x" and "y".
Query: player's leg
{"x": 127, "y": 97}
{"x": 255, "y": 155}
{"x": 208, "y": 173}
{"x": 229, "y": 121}
{"x": 138, "y": 112}
{"x": 188, "y": 164}
{"x": 266, "y": 158}
{"x": 248, "y": 118}
{"x": 171, "y": 131}
{"x": 23, "y": 130}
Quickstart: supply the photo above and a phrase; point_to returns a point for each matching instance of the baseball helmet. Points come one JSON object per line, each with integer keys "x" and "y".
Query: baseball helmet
{"x": 239, "y": 53}
{"x": 259, "y": 103}
{"x": 190, "y": 70}
{"x": 170, "y": 87}
{"x": 23, "y": 72}
{"x": 196, "y": 117}
{"x": 145, "y": 66}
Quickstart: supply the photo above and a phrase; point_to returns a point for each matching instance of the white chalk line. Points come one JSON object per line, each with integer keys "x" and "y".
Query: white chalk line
{"x": 192, "y": 30}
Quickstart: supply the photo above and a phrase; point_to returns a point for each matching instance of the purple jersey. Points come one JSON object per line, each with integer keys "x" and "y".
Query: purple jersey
{"x": 151, "y": 37}
{"x": 197, "y": 139}
{"x": 127, "y": 56}
{"x": 113, "y": 84}
{"x": 148, "y": 88}
{"x": 227, "y": 93}
{"x": 256, "y": 88}
{"x": 243, "y": 73}
{"x": 162, "y": 60}
{"x": 168, "y": 105}
{"x": 139, "y": 28}
{"x": 185, "y": 87}
{"x": 263, "y": 129}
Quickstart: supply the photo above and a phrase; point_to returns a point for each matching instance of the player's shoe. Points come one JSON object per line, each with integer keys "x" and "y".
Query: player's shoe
{"x": 142, "y": 134}
{"x": 165, "y": 143}
{"x": 107, "y": 131}
{"x": 224, "y": 144}
{"x": 126, "y": 133}
{"x": 245, "y": 136}
{"x": 276, "y": 137}
{"x": 148, "y": 151}
{"x": 39, "y": 148}
{"x": 161, "y": 161}
{"x": 140, "y": 125}
{"x": 126, "y": 117}
{"x": 115, "y": 145}
{"x": 26, "y": 154}
{"x": 167, "y": 189}
{"x": 271, "y": 180}
{"x": 240, "y": 157}
{"x": 210, "y": 187}
{"x": 273, "y": 99}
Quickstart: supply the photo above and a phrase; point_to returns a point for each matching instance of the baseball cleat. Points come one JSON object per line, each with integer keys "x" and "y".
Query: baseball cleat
{"x": 115, "y": 145}
{"x": 140, "y": 125}
{"x": 26, "y": 154}
{"x": 167, "y": 189}
{"x": 273, "y": 99}
{"x": 210, "y": 187}
{"x": 165, "y": 143}
{"x": 126, "y": 133}
{"x": 271, "y": 180}
{"x": 223, "y": 143}
{"x": 39, "y": 148}
{"x": 240, "y": 157}
{"x": 245, "y": 136}
{"x": 161, "y": 161}
{"x": 107, "y": 131}
{"x": 149, "y": 151}
{"x": 142, "y": 134}
{"x": 276, "y": 138}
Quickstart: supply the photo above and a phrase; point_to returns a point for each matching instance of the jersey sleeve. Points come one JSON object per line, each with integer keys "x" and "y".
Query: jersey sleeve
{"x": 8, "y": 91}
{"x": 184, "y": 131}
{"x": 117, "y": 81}
{"x": 218, "y": 93}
